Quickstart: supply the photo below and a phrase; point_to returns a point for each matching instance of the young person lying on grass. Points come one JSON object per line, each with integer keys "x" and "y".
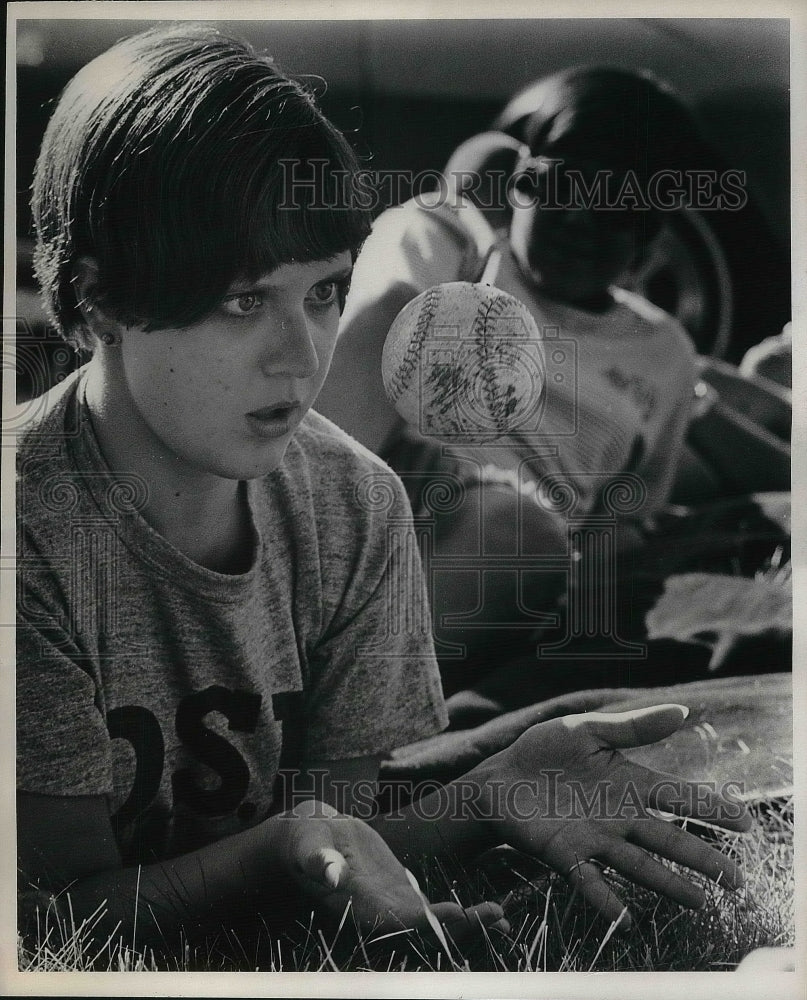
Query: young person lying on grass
{"x": 204, "y": 597}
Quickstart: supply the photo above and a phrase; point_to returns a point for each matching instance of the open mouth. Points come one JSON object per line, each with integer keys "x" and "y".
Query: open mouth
{"x": 274, "y": 421}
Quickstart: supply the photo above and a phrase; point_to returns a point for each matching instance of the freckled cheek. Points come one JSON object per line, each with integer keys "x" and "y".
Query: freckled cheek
{"x": 205, "y": 374}
{"x": 225, "y": 380}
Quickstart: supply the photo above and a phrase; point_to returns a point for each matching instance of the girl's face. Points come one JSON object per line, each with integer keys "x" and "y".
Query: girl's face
{"x": 225, "y": 395}
{"x": 572, "y": 254}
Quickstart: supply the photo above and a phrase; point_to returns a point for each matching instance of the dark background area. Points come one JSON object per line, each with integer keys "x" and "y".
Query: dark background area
{"x": 408, "y": 92}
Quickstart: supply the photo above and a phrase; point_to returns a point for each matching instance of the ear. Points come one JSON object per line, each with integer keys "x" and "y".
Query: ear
{"x": 86, "y": 284}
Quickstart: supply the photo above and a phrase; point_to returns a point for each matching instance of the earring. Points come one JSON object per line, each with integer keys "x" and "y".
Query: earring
{"x": 109, "y": 339}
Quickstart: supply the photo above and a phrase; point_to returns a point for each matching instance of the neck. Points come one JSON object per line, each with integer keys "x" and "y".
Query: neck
{"x": 205, "y": 516}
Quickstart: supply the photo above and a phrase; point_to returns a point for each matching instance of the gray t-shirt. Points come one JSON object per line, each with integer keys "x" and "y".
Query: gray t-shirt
{"x": 163, "y": 685}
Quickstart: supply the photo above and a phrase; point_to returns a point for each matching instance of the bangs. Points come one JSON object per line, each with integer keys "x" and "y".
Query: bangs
{"x": 305, "y": 207}
{"x": 197, "y": 164}
{"x": 258, "y": 204}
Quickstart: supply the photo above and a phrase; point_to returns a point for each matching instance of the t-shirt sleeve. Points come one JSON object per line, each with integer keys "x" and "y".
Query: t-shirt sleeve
{"x": 375, "y": 682}
{"x": 63, "y": 746}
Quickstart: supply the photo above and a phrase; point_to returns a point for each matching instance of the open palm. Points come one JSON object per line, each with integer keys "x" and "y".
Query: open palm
{"x": 573, "y": 800}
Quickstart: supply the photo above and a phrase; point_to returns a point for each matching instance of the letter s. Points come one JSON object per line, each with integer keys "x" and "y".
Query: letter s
{"x": 241, "y": 709}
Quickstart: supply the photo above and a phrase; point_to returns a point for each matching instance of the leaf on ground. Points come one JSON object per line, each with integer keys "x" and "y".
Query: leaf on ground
{"x": 715, "y": 610}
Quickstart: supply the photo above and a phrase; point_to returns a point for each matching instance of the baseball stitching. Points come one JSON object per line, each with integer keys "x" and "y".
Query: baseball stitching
{"x": 489, "y": 310}
{"x": 399, "y": 381}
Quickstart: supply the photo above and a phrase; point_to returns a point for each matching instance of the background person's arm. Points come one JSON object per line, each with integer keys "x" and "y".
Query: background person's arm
{"x": 745, "y": 456}
{"x": 757, "y": 398}
{"x": 411, "y": 248}
{"x": 353, "y": 395}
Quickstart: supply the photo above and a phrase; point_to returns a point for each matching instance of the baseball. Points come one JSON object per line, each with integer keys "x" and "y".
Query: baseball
{"x": 463, "y": 362}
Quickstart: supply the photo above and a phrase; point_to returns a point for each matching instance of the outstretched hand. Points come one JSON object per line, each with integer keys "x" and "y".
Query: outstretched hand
{"x": 339, "y": 861}
{"x": 563, "y": 792}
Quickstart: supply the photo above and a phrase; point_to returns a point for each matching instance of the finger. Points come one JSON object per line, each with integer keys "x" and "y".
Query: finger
{"x": 644, "y": 870}
{"x": 428, "y": 912}
{"x": 588, "y": 881}
{"x": 324, "y": 865}
{"x": 335, "y": 867}
{"x": 698, "y": 800}
{"x": 677, "y": 845}
{"x": 320, "y": 866}
{"x": 636, "y": 728}
{"x": 462, "y": 924}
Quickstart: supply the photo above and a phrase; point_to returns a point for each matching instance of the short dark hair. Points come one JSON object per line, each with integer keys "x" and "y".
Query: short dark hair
{"x": 181, "y": 160}
{"x": 630, "y": 119}
{"x": 621, "y": 119}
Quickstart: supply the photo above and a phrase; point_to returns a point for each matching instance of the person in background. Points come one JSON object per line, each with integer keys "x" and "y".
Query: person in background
{"x": 592, "y": 157}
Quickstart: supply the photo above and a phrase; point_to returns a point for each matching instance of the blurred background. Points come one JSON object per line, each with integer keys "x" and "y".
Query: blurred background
{"x": 409, "y": 92}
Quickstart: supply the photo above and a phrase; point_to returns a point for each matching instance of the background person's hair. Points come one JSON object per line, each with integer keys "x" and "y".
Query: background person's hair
{"x": 181, "y": 160}
{"x": 619, "y": 119}
{"x": 628, "y": 118}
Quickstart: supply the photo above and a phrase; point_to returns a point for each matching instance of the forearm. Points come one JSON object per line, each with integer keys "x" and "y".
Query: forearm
{"x": 443, "y": 823}
{"x": 762, "y": 402}
{"x": 455, "y": 822}
{"x": 161, "y": 904}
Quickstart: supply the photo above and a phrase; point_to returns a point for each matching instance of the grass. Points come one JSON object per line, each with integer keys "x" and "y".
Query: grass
{"x": 551, "y": 928}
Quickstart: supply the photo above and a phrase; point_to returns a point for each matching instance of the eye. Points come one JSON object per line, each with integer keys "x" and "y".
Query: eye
{"x": 324, "y": 293}
{"x": 327, "y": 293}
{"x": 242, "y": 304}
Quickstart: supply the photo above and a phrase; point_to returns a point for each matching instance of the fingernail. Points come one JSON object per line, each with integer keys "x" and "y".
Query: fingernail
{"x": 331, "y": 875}
{"x": 683, "y": 710}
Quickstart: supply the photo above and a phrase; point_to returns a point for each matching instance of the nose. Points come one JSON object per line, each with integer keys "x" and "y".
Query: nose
{"x": 290, "y": 349}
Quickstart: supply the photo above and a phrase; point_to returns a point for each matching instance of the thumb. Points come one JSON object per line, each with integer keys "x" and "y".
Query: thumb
{"x": 317, "y": 860}
{"x": 327, "y": 866}
{"x": 635, "y": 728}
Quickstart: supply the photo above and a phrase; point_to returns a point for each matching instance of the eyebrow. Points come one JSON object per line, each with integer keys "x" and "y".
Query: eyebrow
{"x": 266, "y": 285}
